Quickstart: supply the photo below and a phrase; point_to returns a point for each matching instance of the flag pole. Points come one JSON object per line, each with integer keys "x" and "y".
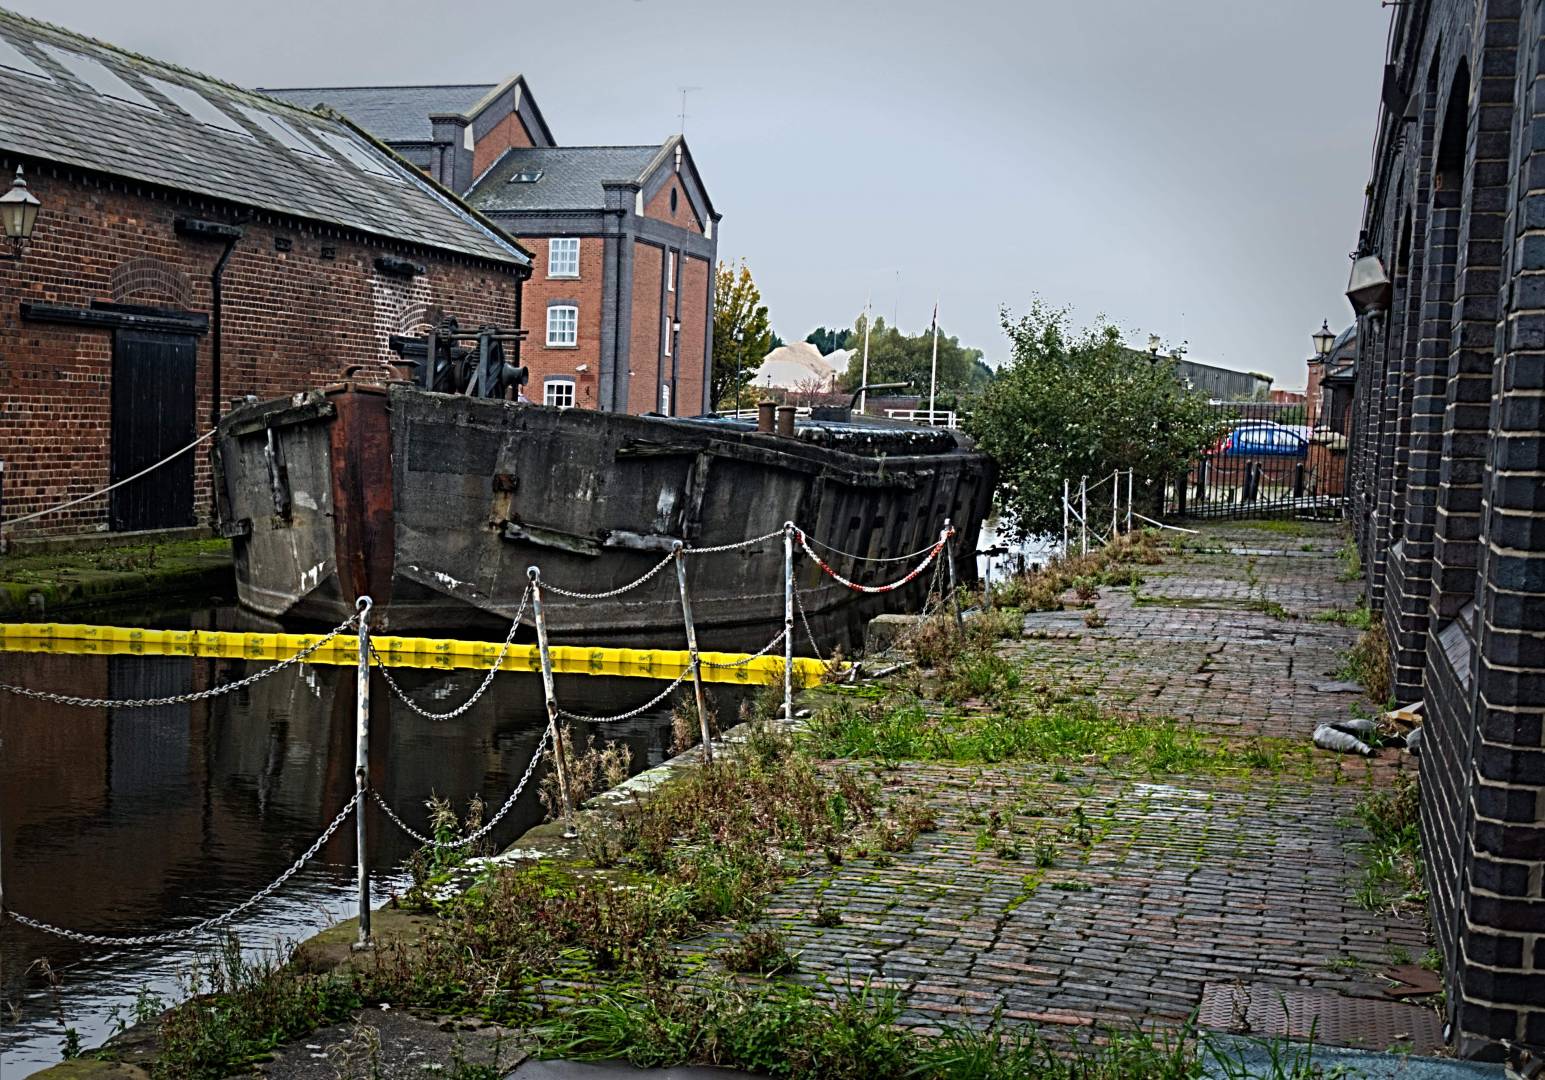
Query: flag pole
{"x": 863, "y": 380}
{"x": 933, "y": 378}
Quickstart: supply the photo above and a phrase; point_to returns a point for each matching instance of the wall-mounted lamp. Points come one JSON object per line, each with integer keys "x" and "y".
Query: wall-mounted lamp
{"x": 1323, "y": 339}
{"x": 18, "y": 213}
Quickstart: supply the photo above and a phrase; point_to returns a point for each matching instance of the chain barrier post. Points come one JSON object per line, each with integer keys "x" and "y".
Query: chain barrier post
{"x": 697, "y": 674}
{"x": 1115, "y": 503}
{"x": 1083, "y": 515}
{"x": 1129, "y": 500}
{"x": 788, "y": 620}
{"x": 1065, "y": 507}
{"x": 560, "y": 760}
{"x": 949, "y": 564}
{"x": 362, "y": 766}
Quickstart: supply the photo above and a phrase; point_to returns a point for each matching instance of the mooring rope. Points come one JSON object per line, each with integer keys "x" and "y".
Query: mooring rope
{"x": 110, "y": 487}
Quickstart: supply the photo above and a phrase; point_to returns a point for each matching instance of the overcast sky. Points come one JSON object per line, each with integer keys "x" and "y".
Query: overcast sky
{"x": 1193, "y": 168}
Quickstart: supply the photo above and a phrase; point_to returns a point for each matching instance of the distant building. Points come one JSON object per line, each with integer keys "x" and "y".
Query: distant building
{"x": 198, "y": 242}
{"x": 626, "y": 239}
{"x": 1332, "y": 378}
{"x": 1223, "y": 384}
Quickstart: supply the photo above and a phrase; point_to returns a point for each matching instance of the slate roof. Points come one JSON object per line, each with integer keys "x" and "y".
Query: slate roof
{"x": 571, "y": 177}
{"x": 76, "y": 101}
{"x": 391, "y": 113}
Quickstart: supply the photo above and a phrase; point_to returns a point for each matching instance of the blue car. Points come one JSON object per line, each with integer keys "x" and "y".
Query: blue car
{"x": 1263, "y": 439}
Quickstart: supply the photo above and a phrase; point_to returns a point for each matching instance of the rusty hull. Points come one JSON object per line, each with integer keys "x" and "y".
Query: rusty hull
{"x": 435, "y": 505}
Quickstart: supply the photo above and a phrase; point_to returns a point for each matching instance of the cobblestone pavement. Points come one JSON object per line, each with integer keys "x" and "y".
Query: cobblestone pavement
{"x": 1160, "y": 890}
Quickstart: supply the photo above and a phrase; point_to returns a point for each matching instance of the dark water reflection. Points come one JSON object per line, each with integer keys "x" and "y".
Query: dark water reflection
{"x": 133, "y": 821}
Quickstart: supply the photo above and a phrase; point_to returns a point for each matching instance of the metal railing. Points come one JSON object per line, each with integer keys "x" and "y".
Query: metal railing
{"x": 945, "y": 418}
{"x": 551, "y": 742}
{"x": 1266, "y": 461}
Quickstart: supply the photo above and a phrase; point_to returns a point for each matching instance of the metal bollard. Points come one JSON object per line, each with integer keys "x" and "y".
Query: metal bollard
{"x": 788, "y": 620}
{"x": 697, "y": 673}
{"x": 560, "y": 757}
{"x": 949, "y": 563}
{"x": 362, "y": 766}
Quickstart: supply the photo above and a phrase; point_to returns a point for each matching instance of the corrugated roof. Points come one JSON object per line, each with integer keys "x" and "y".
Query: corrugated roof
{"x": 571, "y": 177}
{"x": 391, "y": 113}
{"x": 61, "y": 117}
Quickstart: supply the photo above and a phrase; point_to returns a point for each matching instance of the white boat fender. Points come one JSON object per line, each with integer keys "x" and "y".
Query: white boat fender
{"x": 1328, "y": 737}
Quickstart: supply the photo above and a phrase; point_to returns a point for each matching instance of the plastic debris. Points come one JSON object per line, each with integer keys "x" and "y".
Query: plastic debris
{"x": 1363, "y": 728}
{"x": 1414, "y": 741}
{"x": 1329, "y": 737}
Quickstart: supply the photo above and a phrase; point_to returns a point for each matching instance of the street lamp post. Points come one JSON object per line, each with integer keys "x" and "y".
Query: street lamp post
{"x": 1323, "y": 339}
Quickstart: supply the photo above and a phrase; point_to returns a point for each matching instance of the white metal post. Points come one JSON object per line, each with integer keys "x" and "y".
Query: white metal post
{"x": 697, "y": 674}
{"x": 1065, "y": 506}
{"x": 362, "y": 767}
{"x": 1083, "y": 515}
{"x": 933, "y": 378}
{"x": 863, "y": 379}
{"x": 949, "y": 565}
{"x": 1129, "y": 500}
{"x": 560, "y": 757}
{"x": 1115, "y": 502}
{"x": 788, "y": 620}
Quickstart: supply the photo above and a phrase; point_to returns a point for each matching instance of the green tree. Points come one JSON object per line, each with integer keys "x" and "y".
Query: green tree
{"x": 828, "y": 341}
{"x": 1073, "y": 404}
{"x": 895, "y": 357}
{"x": 742, "y": 333}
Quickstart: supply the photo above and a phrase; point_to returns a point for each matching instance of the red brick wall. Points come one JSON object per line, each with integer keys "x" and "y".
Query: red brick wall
{"x": 693, "y": 292}
{"x": 646, "y": 328}
{"x": 659, "y": 207}
{"x": 502, "y": 136}
{"x": 586, "y": 290}
{"x": 292, "y": 320}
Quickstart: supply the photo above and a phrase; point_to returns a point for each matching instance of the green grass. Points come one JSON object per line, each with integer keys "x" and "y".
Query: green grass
{"x": 1359, "y": 618}
{"x": 1074, "y": 731}
{"x": 1392, "y": 872}
{"x": 1280, "y": 526}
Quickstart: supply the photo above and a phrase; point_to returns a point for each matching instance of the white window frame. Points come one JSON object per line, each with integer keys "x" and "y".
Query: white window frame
{"x": 667, "y": 335}
{"x": 670, "y": 272}
{"x": 665, "y": 399}
{"x": 560, "y": 339}
{"x": 565, "y": 387}
{"x": 561, "y": 243}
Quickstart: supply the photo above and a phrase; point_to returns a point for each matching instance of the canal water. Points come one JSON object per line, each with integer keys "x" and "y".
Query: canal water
{"x": 130, "y": 821}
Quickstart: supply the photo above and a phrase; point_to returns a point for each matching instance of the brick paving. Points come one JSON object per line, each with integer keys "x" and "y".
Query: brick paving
{"x": 1175, "y": 883}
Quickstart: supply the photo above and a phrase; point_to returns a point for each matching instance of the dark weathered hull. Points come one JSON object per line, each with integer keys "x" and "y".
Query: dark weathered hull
{"x": 436, "y": 505}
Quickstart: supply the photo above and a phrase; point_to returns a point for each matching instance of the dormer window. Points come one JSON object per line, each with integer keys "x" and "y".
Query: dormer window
{"x": 526, "y": 176}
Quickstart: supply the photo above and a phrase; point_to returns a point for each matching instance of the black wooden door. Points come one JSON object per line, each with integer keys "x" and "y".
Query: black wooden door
{"x": 153, "y": 378}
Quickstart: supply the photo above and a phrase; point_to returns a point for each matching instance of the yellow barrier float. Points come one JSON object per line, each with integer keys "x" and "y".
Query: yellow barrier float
{"x": 444, "y": 654}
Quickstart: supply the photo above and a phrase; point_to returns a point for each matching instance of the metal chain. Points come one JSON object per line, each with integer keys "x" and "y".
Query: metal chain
{"x": 799, "y": 602}
{"x": 826, "y": 568}
{"x": 744, "y": 660}
{"x": 487, "y": 679}
{"x": 631, "y": 713}
{"x": 207, "y": 924}
{"x": 541, "y": 747}
{"x": 661, "y": 565}
{"x": 732, "y": 547}
{"x": 872, "y": 558}
{"x": 179, "y": 699}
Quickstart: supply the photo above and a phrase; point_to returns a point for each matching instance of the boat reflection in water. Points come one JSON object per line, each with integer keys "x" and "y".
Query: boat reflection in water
{"x": 142, "y": 820}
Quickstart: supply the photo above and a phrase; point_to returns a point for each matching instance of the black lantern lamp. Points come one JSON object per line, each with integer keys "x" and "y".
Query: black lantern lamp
{"x": 18, "y": 214}
{"x": 1323, "y": 339}
{"x": 1368, "y": 289}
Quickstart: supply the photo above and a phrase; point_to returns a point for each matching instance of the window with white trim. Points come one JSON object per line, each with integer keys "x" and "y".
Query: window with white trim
{"x": 562, "y": 326}
{"x": 670, "y": 271}
{"x": 667, "y": 333}
{"x": 563, "y": 257}
{"x": 665, "y": 399}
{"x": 558, "y": 392}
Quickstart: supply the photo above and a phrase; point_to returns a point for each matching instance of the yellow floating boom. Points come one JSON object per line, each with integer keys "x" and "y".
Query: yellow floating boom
{"x": 444, "y": 654}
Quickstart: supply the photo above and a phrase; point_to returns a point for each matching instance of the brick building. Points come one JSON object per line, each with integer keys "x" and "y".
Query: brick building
{"x": 621, "y": 298}
{"x": 198, "y": 242}
{"x": 1445, "y": 469}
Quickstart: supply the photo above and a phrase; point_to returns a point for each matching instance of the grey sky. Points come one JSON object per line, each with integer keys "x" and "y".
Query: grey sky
{"x": 1189, "y": 167}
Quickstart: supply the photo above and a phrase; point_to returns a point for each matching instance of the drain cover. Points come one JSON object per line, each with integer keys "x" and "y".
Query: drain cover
{"x": 1330, "y": 1018}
